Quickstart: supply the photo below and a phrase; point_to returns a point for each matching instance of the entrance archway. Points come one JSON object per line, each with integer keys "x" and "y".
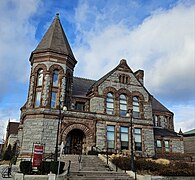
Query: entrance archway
{"x": 74, "y": 142}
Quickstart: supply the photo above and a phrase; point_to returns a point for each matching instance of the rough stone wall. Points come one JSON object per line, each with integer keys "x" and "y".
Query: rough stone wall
{"x": 31, "y": 94}
{"x": 100, "y": 135}
{"x": 39, "y": 130}
{"x": 189, "y": 144}
{"x": 97, "y": 105}
{"x": 45, "y": 94}
{"x": 148, "y": 140}
{"x": 177, "y": 145}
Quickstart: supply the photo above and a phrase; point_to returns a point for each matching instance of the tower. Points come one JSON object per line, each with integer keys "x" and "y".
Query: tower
{"x": 51, "y": 77}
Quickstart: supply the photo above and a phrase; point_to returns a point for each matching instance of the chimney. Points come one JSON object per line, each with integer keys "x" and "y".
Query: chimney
{"x": 140, "y": 76}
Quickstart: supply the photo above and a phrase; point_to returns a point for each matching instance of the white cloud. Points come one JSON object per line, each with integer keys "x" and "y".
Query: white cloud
{"x": 163, "y": 45}
{"x": 17, "y": 39}
{"x": 185, "y": 116}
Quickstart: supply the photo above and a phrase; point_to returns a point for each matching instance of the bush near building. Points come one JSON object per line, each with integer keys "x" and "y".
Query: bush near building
{"x": 45, "y": 168}
{"x": 156, "y": 167}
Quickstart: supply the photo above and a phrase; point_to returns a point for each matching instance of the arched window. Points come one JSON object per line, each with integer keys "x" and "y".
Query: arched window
{"x": 55, "y": 78}
{"x": 123, "y": 105}
{"x": 109, "y": 103}
{"x": 40, "y": 77}
{"x": 136, "y": 109}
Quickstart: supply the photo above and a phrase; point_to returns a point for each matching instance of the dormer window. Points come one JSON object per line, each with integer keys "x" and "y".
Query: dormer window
{"x": 109, "y": 103}
{"x": 136, "y": 108}
{"x": 40, "y": 77}
{"x": 123, "y": 105}
{"x": 55, "y": 78}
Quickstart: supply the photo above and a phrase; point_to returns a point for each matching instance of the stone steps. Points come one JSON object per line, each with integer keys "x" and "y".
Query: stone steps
{"x": 92, "y": 168}
{"x": 98, "y": 175}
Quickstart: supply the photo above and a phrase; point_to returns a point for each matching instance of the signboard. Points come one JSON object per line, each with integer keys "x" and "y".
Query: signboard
{"x": 38, "y": 155}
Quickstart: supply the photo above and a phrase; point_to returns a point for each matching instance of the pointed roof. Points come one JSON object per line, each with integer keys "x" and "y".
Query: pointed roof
{"x": 121, "y": 67}
{"x": 55, "y": 40}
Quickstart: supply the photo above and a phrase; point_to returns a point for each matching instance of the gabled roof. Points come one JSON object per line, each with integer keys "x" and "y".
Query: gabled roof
{"x": 164, "y": 132}
{"x": 54, "y": 40}
{"x": 157, "y": 106}
{"x": 121, "y": 67}
{"x": 81, "y": 86}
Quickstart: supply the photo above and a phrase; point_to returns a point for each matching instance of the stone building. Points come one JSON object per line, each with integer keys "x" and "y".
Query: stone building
{"x": 95, "y": 110}
{"x": 189, "y": 143}
{"x": 11, "y": 134}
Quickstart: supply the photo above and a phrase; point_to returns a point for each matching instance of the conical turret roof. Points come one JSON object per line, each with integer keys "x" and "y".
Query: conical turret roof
{"x": 55, "y": 40}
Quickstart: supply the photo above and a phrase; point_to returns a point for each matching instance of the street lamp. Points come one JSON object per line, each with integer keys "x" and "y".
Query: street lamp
{"x": 130, "y": 114}
{"x": 59, "y": 122}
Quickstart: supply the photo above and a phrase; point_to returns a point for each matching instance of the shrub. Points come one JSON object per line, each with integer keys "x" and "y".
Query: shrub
{"x": 175, "y": 156}
{"x": 44, "y": 168}
{"x": 122, "y": 162}
{"x": 54, "y": 167}
{"x": 25, "y": 167}
{"x": 92, "y": 152}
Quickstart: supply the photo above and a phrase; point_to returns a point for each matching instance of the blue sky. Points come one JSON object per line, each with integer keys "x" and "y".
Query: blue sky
{"x": 156, "y": 36}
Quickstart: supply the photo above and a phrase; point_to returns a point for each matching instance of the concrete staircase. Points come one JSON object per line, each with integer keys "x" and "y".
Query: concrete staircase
{"x": 91, "y": 168}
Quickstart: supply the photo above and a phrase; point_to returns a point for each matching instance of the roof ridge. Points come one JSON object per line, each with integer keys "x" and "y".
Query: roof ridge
{"x": 84, "y": 78}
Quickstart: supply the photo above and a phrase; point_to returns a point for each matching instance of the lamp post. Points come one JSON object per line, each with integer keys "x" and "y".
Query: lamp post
{"x": 59, "y": 122}
{"x": 130, "y": 114}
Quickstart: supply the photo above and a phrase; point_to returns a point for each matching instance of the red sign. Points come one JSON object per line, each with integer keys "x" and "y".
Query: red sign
{"x": 38, "y": 155}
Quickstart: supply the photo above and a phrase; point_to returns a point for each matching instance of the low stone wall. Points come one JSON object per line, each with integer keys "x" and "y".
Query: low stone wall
{"x": 21, "y": 176}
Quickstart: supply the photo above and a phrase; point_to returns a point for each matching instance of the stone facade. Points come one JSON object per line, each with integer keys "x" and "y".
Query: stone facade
{"x": 85, "y": 121}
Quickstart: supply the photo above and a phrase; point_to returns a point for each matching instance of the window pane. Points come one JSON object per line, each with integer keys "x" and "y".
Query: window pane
{"x": 136, "y": 108}
{"x": 123, "y": 113}
{"x": 40, "y": 78}
{"x": 135, "y": 99}
{"x": 55, "y": 78}
{"x": 137, "y": 138}
{"x": 123, "y": 107}
{"x": 109, "y": 111}
{"x": 124, "y": 129}
{"x": 53, "y": 100}
{"x": 38, "y": 99}
{"x": 138, "y": 146}
{"x": 137, "y": 131}
{"x": 124, "y": 137}
{"x": 80, "y": 106}
{"x": 110, "y": 136}
{"x": 158, "y": 144}
{"x": 110, "y": 128}
{"x": 110, "y": 95}
{"x": 110, "y": 144}
{"x": 109, "y": 104}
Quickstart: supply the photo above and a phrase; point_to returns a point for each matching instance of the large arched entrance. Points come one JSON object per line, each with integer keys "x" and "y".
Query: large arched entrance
{"x": 74, "y": 142}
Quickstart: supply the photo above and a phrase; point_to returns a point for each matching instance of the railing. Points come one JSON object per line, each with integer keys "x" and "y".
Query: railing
{"x": 68, "y": 169}
{"x": 6, "y": 172}
{"x": 49, "y": 156}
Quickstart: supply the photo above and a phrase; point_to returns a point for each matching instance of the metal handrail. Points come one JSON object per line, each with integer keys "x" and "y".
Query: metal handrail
{"x": 68, "y": 169}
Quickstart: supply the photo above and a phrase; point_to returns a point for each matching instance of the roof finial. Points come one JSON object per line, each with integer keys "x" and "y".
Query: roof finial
{"x": 57, "y": 15}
